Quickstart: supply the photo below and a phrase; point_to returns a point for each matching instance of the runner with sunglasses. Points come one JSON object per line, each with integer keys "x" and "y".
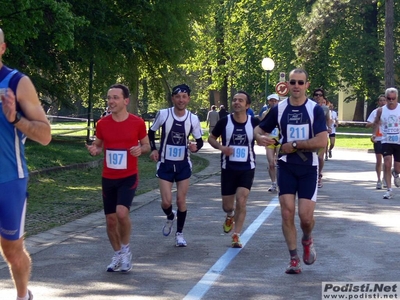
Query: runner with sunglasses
{"x": 303, "y": 129}
{"x": 319, "y": 97}
{"x": 387, "y": 119}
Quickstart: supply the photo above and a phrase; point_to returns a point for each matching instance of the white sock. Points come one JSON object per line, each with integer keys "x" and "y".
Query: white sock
{"x": 24, "y": 298}
{"x": 231, "y": 214}
{"x": 124, "y": 248}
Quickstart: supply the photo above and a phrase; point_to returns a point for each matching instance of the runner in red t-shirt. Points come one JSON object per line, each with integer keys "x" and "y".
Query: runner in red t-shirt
{"x": 122, "y": 137}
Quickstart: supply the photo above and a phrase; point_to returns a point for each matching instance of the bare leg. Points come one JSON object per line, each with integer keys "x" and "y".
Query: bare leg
{"x": 240, "y": 211}
{"x": 19, "y": 262}
{"x": 288, "y": 208}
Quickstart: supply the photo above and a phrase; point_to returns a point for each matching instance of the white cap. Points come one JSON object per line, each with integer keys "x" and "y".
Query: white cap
{"x": 273, "y": 96}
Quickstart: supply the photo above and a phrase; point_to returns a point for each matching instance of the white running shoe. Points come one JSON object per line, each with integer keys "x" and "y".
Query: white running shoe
{"x": 388, "y": 195}
{"x": 379, "y": 185}
{"x": 396, "y": 178}
{"x": 126, "y": 262}
{"x": 272, "y": 188}
{"x": 115, "y": 263}
{"x": 168, "y": 225}
{"x": 180, "y": 240}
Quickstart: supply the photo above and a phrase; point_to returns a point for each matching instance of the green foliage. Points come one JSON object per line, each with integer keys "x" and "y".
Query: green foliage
{"x": 209, "y": 44}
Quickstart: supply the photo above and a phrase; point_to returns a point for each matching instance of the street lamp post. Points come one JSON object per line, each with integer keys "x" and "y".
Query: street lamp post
{"x": 268, "y": 65}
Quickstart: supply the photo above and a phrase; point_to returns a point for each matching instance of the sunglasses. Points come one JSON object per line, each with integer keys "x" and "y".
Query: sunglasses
{"x": 388, "y": 98}
{"x": 317, "y": 95}
{"x": 299, "y": 82}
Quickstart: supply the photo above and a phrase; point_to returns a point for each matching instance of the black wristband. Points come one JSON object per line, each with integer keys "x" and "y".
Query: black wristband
{"x": 153, "y": 145}
{"x": 17, "y": 118}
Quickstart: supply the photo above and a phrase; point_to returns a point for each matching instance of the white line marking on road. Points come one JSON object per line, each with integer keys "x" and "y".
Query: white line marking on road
{"x": 201, "y": 288}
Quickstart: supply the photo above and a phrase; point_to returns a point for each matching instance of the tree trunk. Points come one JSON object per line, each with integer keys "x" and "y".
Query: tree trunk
{"x": 389, "y": 44}
{"x": 359, "y": 110}
{"x": 221, "y": 60}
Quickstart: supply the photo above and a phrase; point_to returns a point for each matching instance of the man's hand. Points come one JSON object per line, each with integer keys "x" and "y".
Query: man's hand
{"x": 228, "y": 151}
{"x": 192, "y": 146}
{"x": 154, "y": 155}
{"x": 264, "y": 140}
{"x": 136, "y": 151}
{"x": 9, "y": 105}
{"x": 93, "y": 149}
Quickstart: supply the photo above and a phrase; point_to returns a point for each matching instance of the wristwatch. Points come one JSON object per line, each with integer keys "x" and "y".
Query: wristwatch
{"x": 17, "y": 118}
{"x": 294, "y": 145}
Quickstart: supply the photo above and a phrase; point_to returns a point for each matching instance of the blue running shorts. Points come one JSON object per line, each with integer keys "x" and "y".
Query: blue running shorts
{"x": 13, "y": 197}
{"x": 174, "y": 171}
{"x": 300, "y": 179}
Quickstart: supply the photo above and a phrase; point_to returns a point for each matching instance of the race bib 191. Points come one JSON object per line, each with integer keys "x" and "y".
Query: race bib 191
{"x": 175, "y": 153}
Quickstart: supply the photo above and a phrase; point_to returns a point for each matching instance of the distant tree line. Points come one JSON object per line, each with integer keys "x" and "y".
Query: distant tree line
{"x": 74, "y": 49}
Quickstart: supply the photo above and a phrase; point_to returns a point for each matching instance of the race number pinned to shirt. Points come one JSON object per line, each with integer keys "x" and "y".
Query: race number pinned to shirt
{"x": 116, "y": 159}
{"x": 175, "y": 153}
{"x": 297, "y": 132}
{"x": 240, "y": 153}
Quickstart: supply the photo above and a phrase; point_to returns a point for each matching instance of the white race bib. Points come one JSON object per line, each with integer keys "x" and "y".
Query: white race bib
{"x": 240, "y": 153}
{"x": 116, "y": 159}
{"x": 175, "y": 153}
{"x": 297, "y": 132}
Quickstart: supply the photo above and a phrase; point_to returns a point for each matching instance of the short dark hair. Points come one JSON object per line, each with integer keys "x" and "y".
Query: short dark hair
{"x": 124, "y": 88}
{"x": 182, "y": 88}
{"x": 248, "y": 101}
{"x": 299, "y": 70}
{"x": 319, "y": 90}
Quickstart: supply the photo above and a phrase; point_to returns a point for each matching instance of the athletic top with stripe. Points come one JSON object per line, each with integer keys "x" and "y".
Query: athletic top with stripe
{"x": 175, "y": 134}
{"x": 12, "y": 150}
{"x": 296, "y": 123}
{"x": 390, "y": 125}
{"x": 239, "y": 136}
{"x": 118, "y": 138}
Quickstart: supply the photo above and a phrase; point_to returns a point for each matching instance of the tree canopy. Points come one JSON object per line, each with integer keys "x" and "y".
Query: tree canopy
{"x": 216, "y": 46}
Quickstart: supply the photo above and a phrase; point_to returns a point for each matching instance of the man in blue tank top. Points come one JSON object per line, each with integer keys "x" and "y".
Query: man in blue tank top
{"x": 21, "y": 117}
{"x": 303, "y": 130}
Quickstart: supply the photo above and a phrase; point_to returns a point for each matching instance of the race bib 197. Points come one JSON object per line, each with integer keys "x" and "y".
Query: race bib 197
{"x": 116, "y": 159}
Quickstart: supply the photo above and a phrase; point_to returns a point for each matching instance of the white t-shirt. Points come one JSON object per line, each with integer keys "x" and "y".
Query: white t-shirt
{"x": 371, "y": 119}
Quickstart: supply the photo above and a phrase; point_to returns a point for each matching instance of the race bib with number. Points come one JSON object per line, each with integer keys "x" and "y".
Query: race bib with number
{"x": 274, "y": 133}
{"x": 116, "y": 159}
{"x": 175, "y": 153}
{"x": 392, "y": 138}
{"x": 297, "y": 132}
{"x": 240, "y": 153}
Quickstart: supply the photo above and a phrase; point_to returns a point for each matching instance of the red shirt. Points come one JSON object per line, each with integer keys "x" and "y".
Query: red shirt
{"x": 118, "y": 138}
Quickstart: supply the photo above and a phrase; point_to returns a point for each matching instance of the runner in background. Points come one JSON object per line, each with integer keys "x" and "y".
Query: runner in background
{"x": 376, "y": 139}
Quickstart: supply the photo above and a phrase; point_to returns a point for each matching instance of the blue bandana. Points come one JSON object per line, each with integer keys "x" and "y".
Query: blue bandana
{"x": 182, "y": 88}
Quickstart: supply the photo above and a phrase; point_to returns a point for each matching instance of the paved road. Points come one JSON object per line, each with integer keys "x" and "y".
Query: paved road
{"x": 356, "y": 237}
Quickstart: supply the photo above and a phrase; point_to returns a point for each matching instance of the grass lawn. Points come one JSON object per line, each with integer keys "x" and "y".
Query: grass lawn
{"x": 354, "y": 141}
